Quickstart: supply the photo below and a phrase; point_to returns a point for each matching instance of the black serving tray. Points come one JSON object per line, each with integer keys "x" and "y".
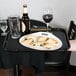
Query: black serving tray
{"x": 61, "y": 33}
{"x": 13, "y": 45}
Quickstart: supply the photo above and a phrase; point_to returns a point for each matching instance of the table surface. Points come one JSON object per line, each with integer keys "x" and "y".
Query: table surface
{"x": 12, "y": 53}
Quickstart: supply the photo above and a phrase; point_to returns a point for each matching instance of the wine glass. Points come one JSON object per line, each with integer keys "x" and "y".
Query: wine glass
{"x": 47, "y": 16}
{"x": 3, "y": 27}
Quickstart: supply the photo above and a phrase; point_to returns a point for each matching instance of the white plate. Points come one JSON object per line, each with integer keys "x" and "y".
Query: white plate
{"x": 37, "y": 34}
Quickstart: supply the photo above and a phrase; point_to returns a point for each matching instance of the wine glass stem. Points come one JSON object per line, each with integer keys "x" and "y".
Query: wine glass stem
{"x": 47, "y": 26}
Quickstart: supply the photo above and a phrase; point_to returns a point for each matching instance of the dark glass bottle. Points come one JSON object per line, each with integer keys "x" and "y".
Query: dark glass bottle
{"x": 25, "y": 21}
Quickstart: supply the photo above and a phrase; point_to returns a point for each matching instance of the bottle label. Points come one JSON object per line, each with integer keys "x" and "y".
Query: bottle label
{"x": 23, "y": 27}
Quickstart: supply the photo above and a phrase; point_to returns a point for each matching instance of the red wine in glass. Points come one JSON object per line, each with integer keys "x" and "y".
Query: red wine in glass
{"x": 47, "y": 18}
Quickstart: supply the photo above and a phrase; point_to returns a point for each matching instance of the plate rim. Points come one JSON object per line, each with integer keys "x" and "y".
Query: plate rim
{"x": 35, "y": 47}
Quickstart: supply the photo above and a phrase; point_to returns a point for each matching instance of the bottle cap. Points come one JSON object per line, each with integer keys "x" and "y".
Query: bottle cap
{"x": 25, "y": 5}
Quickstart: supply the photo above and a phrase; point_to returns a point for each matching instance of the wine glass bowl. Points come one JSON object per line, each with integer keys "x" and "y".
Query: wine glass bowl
{"x": 47, "y": 16}
{"x": 3, "y": 27}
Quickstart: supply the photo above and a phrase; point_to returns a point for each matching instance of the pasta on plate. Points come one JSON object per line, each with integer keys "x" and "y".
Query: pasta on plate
{"x": 44, "y": 42}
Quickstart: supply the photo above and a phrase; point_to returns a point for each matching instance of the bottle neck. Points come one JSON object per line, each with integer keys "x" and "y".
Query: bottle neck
{"x": 25, "y": 14}
{"x": 25, "y": 9}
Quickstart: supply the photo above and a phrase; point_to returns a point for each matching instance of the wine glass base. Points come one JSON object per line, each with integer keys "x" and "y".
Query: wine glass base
{"x": 3, "y": 34}
{"x": 15, "y": 37}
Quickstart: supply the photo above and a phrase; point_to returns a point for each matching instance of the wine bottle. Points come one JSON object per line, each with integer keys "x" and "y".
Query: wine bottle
{"x": 25, "y": 21}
